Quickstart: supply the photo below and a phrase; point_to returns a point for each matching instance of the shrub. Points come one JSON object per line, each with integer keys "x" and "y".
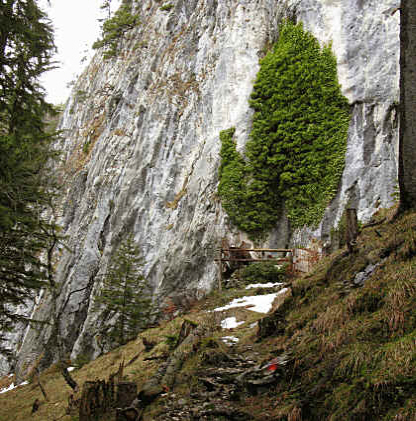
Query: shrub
{"x": 296, "y": 152}
{"x": 263, "y": 272}
{"x": 171, "y": 341}
{"x": 233, "y": 177}
{"x": 167, "y": 7}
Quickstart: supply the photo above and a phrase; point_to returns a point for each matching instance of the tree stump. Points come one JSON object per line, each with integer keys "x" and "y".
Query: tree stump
{"x": 126, "y": 393}
{"x": 97, "y": 399}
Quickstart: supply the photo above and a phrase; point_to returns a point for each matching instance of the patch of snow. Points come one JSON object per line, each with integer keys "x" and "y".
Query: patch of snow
{"x": 268, "y": 285}
{"x": 10, "y": 375}
{"x": 8, "y": 389}
{"x": 258, "y": 303}
{"x": 230, "y": 340}
{"x": 71, "y": 369}
{"x": 230, "y": 323}
{"x": 12, "y": 386}
{"x": 253, "y": 325}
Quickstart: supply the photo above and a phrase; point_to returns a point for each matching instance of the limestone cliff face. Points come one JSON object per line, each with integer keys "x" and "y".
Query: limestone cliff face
{"x": 141, "y": 146}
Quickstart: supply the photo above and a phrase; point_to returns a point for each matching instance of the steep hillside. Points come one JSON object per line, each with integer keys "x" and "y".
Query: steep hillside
{"x": 338, "y": 344}
{"x": 141, "y": 144}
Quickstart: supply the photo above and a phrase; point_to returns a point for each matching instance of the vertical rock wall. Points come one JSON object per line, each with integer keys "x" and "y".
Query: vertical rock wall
{"x": 141, "y": 147}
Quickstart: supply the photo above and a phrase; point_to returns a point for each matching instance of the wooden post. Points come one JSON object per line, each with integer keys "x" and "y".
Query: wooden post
{"x": 220, "y": 277}
{"x": 352, "y": 229}
{"x": 291, "y": 261}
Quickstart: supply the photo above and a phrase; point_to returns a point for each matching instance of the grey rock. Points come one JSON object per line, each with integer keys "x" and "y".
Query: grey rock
{"x": 141, "y": 153}
{"x": 361, "y": 277}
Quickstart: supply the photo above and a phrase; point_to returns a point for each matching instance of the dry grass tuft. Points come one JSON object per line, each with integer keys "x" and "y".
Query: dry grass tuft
{"x": 334, "y": 317}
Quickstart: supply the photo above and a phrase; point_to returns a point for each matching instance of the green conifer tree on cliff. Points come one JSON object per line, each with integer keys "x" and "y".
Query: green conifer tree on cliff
{"x": 125, "y": 295}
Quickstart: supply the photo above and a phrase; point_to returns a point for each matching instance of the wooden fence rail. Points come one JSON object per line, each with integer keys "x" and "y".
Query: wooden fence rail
{"x": 299, "y": 259}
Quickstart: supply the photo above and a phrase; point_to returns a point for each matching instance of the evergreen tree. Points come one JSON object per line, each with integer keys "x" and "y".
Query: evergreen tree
{"x": 125, "y": 294}
{"x": 115, "y": 28}
{"x": 26, "y": 49}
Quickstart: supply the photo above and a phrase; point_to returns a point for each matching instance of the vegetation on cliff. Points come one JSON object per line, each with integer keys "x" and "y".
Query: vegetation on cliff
{"x": 296, "y": 152}
{"x": 115, "y": 27}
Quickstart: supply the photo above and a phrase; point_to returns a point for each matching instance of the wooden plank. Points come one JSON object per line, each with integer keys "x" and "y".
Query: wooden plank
{"x": 254, "y": 260}
{"x": 307, "y": 250}
{"x": 259, "y": 250}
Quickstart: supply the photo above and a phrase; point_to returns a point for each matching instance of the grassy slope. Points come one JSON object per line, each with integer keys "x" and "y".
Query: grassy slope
{"x": 353, "y": 350}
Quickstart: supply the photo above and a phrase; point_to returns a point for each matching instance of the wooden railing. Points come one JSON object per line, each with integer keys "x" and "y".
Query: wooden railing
{"x": 297, "y": 262}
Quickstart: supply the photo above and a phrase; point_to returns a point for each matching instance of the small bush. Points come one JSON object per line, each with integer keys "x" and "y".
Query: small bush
{"x": 81, "y": 96}
{"x": 171, "y": 341}
{"x": 81, "y": 360}
{"x": 263, "y": 272}
{"x": 167, "y": 7}
{"x": 86, "y": 147}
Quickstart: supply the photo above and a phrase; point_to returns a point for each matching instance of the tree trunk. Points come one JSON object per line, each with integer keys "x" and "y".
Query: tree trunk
{"x": 407, "y": 138}
{"x": 123, "y": 313}
{"x": 41, "y": 386}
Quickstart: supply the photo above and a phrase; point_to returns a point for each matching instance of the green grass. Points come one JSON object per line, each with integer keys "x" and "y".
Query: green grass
{"x": 354, "y": 351}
